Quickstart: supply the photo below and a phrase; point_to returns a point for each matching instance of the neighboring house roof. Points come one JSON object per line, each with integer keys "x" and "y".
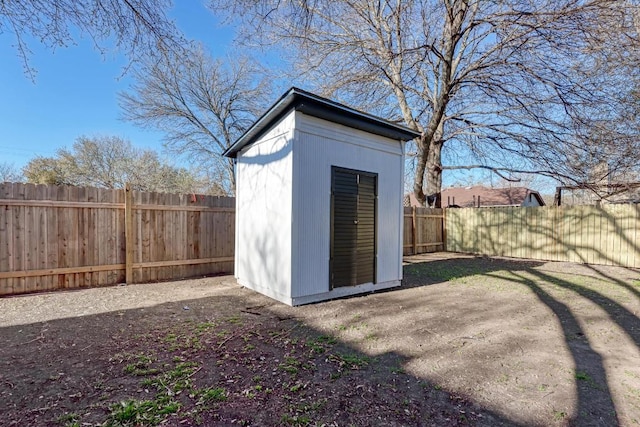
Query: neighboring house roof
{"x": 466, "y": 197}
{"x": 410, "y": 200}
{"x": 314, "y": 105}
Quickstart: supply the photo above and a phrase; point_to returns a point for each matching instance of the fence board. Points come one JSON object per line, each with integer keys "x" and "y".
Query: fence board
{"x": 59, "y": 237}
{"x": 19, "y": 284}
{"x": 152, "y": 231}
{"x": 585, "y": 234}
{"x": 617, "y": 218}
{"x": 423, "y": 230}
{"x": 6, "y": 229}
{"x": 144, "y": 237}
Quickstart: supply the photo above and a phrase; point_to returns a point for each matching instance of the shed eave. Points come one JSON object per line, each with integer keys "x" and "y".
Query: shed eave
{"x": 313, "y": 105}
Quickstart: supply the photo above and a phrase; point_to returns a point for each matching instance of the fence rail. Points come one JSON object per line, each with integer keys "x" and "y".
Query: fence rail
{"x": 607, "y": 234}
{"x": 423, "y": 230}
{"x": 58, "y": 237}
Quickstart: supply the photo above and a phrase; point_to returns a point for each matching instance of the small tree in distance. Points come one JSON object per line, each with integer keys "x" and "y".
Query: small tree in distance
{"x": 110, "y": 162}
{"x": 9, "y": 173}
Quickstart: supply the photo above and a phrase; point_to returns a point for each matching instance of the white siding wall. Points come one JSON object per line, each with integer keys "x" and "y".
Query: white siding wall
{"x": 263, "y": 212}
{"x": 530, "y": 201}
{"x": 318, "y": 146}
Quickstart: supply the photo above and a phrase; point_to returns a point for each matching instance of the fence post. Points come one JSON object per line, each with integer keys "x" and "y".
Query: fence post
{"x": 413, "y": 230}
{"x": 128, "y": 233}
{"x": 444, "y": 230}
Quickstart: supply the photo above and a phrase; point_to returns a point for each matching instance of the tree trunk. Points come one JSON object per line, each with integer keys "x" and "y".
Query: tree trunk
{"x": 418, "y": 178}
{"x": 427, "y": 183}
{"x": 231, "y": 169}
{"x": 433, "y": 182}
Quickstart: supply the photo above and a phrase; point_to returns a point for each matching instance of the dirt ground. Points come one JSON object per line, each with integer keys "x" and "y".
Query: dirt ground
{"x": 465, "y": 341}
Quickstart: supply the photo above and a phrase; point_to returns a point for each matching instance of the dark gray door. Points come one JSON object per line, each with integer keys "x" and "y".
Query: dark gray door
{"x": 353, "y": 227}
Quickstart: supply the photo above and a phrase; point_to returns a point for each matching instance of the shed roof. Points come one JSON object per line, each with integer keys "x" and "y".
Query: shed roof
{"x": 314, "y": 105}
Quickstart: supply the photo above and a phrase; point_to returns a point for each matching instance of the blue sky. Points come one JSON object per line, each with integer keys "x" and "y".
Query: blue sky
{"x": 76, "y": 91}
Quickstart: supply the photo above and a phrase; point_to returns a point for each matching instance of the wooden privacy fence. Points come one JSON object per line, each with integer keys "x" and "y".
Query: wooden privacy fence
{"x": 424, "y": 230}
{"x": 608, "y": 235}
{"x": 62, "y": 237}
{"x": 56, "y": 237}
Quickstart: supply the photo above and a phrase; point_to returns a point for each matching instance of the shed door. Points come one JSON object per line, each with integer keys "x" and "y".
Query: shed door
{"x": 353, "y": 227}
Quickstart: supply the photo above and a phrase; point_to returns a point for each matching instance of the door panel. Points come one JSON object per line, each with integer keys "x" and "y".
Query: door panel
{"x": 353, "y": 227}
{"x": 366, "y": 228}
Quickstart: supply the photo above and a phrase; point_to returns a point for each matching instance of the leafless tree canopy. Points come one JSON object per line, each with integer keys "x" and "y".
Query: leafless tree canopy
{"x": 539, "y": 86}
{"x": 110, "y": 162}
{"x": 202, "y": 105}
{"x": 9, "y": 173}
{"x": 135, "y": 27}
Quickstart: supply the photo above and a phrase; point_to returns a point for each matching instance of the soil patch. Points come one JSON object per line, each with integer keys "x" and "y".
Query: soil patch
{"x": 465, "y": 341}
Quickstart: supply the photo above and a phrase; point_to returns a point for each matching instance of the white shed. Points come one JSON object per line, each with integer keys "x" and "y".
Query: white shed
{"x": 319, "y": 190}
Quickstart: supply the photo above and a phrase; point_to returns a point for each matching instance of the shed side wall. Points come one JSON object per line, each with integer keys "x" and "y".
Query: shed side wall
{"x": 319, "y": 145}
{"x": 263, "y": 212}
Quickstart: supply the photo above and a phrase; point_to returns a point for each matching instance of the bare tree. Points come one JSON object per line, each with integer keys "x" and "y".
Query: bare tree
{"x": 512, "y": 86}
{"x": 9, "y": 173}
{"x": 45, "y": 170}
{"x": 110, "y": 162}
{"x": 135, "y": 27}
{"x": 202, "y": 105}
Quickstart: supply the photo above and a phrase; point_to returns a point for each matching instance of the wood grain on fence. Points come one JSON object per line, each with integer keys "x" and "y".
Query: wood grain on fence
{"x": 423, "y": 230}
{"x": 181, "y": 235}
{"x": 607, "y": 234}
{"x": 59, "y": 237}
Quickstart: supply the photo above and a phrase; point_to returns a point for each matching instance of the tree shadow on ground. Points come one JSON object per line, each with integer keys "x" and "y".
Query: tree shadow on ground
{"x": 238, "y": 358}
{"x": 450, "y": 347}
{"x": 594, "y": 400}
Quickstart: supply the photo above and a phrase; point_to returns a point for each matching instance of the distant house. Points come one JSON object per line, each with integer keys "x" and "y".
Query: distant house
{"x": 480, "y": 196}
